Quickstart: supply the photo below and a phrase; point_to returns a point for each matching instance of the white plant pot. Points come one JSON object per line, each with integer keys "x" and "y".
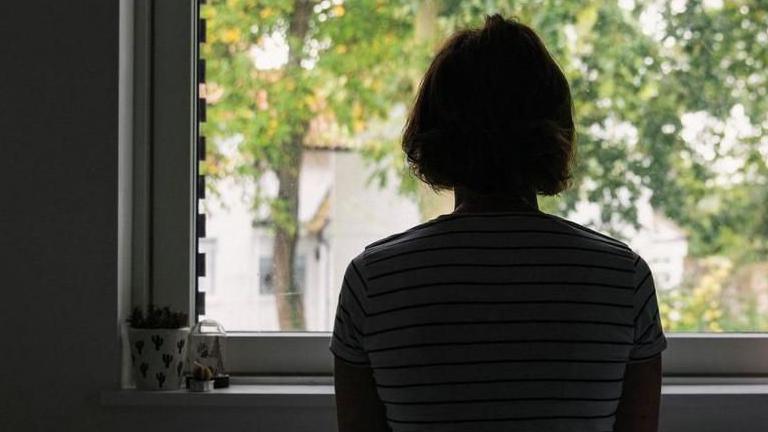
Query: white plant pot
{"x": 200, "y": 385}
{"x": 158, "y": 357}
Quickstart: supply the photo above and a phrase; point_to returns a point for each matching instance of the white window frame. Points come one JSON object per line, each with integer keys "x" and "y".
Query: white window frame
{"x": 163, "y": 230}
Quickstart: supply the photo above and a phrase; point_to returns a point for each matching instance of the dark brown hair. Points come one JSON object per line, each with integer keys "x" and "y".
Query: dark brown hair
{"x": 493, "y": 114}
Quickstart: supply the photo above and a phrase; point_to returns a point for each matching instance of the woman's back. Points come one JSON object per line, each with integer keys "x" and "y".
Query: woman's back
{"x": 498, "y": 321}
{"x": 516, "y": 321}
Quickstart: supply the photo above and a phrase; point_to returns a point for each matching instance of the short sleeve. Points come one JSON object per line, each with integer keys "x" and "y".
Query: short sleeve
{"x": 649, "y": 338}
{"x": 347, "y": 342}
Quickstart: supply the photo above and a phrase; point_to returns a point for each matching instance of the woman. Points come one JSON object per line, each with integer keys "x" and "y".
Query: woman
{"x": 496, "y": 316}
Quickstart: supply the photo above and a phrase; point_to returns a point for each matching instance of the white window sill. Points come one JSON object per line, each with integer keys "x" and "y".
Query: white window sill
{"x": 317, "y": 392}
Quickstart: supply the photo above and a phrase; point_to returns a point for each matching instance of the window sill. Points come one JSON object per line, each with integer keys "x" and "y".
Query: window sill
{"x": 313, "y": 395}
{"x": 317, "y": 392}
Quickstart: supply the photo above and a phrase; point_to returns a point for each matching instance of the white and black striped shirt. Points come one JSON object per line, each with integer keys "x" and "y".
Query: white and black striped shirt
{"x": 519, "y": 321}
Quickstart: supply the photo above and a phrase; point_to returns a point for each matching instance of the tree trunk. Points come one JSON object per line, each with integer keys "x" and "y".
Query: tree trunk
{"x": 290, "y": 304}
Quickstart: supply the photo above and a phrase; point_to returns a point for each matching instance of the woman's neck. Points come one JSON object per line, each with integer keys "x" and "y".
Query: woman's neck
{"x": 468, "y": 201}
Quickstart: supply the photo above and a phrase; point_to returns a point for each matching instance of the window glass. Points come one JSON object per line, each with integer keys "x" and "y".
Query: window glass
{"x": 306, "y": 104}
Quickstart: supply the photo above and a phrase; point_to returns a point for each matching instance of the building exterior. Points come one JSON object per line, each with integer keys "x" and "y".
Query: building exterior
{"x": 340, "y": 212}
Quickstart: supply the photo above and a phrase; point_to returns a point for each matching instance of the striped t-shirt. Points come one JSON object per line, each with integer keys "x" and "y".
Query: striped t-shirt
{"x": 514, "y": 321}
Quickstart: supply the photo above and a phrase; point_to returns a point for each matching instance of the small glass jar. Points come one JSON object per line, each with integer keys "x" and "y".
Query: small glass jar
{"x": 208, "y": 346}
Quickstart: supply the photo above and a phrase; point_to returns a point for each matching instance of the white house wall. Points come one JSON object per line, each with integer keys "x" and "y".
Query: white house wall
{"x": 362, "y": 213}
{"x": 235, "y": 299}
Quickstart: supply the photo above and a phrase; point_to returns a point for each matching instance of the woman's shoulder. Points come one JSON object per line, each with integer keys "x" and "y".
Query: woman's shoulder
{"x": 592, "y": 234}
{"x": 550, "y": 226}
{"x": 402, "y": 235}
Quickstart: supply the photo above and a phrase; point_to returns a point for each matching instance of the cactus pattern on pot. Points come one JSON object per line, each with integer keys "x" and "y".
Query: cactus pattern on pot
{"x": 202, "y": 350}
{"x": 158, "y": 341}
{"x": 158, "y": 357}
{"x": 160, "y": 379}
{"x": 167, "y": 358}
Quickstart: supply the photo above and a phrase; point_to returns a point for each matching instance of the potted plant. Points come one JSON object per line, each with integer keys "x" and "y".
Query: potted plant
{"x": 201, "y": 379}
{"x": 158, "y": 340}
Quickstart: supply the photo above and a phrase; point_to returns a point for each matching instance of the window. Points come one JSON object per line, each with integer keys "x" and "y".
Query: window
{"x": 302, "y": 159}
{"x": 207, "y": 283}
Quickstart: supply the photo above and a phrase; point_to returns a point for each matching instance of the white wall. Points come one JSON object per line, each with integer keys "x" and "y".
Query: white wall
{"x": 362, "y": 213}
{"x": 234, "y": 248}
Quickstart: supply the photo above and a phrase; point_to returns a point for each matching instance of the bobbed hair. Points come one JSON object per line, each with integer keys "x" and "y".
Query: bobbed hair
{"x": 493, "y": 114}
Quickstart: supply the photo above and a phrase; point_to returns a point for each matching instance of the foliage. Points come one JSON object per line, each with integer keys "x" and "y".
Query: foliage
{"x": 697, "y": 307}
{"x": 347, "y": 74}
{"x": 702, "y": 60}
{"x": 157, "y": 318}
{"x": 715, "y": 299}
{"x": 363, "y": 59}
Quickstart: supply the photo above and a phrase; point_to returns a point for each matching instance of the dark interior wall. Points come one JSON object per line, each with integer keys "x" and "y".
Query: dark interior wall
{"x": 58, "y": 212}
{"x": 59, "y": 225}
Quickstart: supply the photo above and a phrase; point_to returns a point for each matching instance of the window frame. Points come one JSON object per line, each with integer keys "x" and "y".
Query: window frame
{"x": 164, "y": 163}
{"x": 165, "y": 203}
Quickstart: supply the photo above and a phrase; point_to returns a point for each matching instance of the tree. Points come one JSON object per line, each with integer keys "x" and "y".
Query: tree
{"x": 340, "y": 67}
